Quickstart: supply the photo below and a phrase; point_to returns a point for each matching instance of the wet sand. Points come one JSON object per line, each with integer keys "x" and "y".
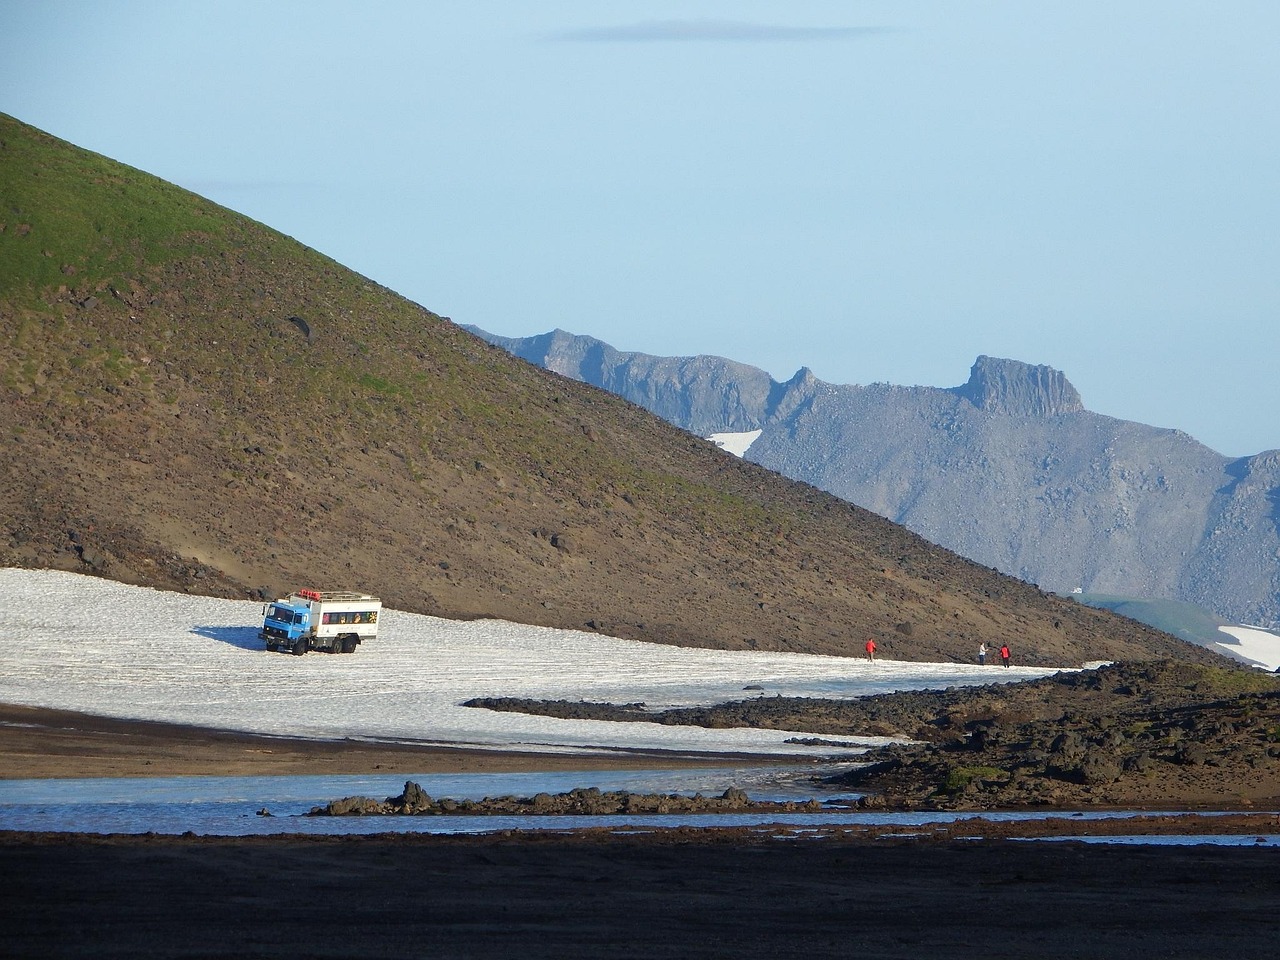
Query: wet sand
{"x": 37, "y": 743}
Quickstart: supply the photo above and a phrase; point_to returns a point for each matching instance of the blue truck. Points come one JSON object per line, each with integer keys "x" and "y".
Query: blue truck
{"x": 332, "y": 621}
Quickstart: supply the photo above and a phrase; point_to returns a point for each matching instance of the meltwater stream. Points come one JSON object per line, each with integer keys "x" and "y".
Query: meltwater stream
{"x": 231, "y": 806}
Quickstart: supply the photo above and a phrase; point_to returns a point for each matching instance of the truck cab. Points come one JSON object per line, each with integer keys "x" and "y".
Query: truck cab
{"x": 285, "y": 624}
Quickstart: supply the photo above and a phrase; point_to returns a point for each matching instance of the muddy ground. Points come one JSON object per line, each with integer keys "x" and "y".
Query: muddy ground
{"x": 37, "y": 743}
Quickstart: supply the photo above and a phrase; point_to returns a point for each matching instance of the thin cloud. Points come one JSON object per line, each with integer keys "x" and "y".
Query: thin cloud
{"x": 718, "y": 31}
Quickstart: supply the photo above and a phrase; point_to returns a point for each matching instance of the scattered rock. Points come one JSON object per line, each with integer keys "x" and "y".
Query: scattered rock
{"x": 583, "y": 801}
{"x": 303, "y": 326}
{"x": 95, "y": 558}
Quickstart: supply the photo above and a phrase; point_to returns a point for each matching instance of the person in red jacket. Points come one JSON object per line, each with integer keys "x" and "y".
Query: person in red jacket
{"x": 1004, "y": 654}
{"x": 871, "y": 649}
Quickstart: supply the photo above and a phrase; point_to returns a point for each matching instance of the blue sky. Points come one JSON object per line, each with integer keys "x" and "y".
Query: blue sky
{"x": 879, "y": 191}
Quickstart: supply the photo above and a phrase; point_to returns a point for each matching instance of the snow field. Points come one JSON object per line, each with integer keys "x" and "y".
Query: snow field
{"x": 1252, "y": 643}
{"x": 81, "y": 643}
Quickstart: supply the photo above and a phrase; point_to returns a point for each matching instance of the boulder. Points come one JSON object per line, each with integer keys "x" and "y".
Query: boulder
{"x": 349, "y": 807}
{"x": 735, "y": 795}
{"x": 413, "y": 800}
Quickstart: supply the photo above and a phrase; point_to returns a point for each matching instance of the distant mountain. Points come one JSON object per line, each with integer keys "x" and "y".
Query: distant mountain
{"x": 1008, "y": 469}
{"x": 191, "y": 400}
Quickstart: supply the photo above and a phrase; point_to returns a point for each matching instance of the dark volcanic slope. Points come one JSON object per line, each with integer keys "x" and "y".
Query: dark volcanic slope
{"x": 1126, "y": 735}
{"x": 193, "y": 401}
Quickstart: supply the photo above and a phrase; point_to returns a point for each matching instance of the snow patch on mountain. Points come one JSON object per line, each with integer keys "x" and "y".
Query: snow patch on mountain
{"x": 1252, "y": 643}
{"x": 736, "y": 443}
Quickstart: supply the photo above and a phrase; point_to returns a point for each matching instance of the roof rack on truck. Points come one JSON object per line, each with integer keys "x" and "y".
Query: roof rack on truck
{"x": 331, "y": 595}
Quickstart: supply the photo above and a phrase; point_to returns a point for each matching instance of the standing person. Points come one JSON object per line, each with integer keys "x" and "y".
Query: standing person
{"x": 982, "y": 654}
{"x": 1004, "y": 654}
{"x": 871, "y": 649}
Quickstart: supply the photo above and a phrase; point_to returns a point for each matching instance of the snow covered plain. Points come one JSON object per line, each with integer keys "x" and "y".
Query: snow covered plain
{"x": 81, "y": 643}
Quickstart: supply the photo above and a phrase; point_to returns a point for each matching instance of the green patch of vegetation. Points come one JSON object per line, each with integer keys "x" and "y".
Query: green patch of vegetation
{"x": 380, "y": 385}
{"x": 1223, "y": 681}
{"x": 115, "y": 364}
{"x": 76, "y": 219}
{"x": 960, "y": 777}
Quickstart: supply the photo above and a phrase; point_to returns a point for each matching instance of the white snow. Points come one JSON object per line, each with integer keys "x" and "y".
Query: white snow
{"x": 81, "y": 643}
{"x": 736, "y": 443}
{"x": 1252, "y": 643}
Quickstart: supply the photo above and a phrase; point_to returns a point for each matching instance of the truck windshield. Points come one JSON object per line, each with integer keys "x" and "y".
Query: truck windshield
{"x": 283, "y": 614}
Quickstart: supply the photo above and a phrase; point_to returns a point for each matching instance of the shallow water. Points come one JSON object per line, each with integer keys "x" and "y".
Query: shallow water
{"x": 229, "y": 806}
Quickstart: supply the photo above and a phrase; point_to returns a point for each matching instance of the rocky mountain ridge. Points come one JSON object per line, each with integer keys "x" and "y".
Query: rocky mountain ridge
{"x": 1009, "y": 469}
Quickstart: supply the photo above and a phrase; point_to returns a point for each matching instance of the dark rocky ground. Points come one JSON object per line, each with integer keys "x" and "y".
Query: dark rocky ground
{"x": 681, "y": 894}
{"x": 1139, "y": 734}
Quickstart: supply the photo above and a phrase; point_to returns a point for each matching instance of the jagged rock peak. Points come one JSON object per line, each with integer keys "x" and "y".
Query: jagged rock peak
{"x": 1019, "y": 389}
{"x": 803, "y": 378}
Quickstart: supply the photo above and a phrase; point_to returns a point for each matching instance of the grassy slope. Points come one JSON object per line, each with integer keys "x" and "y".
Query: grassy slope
{"x": 166, "y": 422}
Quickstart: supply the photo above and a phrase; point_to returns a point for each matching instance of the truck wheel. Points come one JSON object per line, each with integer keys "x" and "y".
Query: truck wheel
{"x": 348, "y": 645}
{"x": 300, "y": 646}
{"x": 273, "y": 647}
